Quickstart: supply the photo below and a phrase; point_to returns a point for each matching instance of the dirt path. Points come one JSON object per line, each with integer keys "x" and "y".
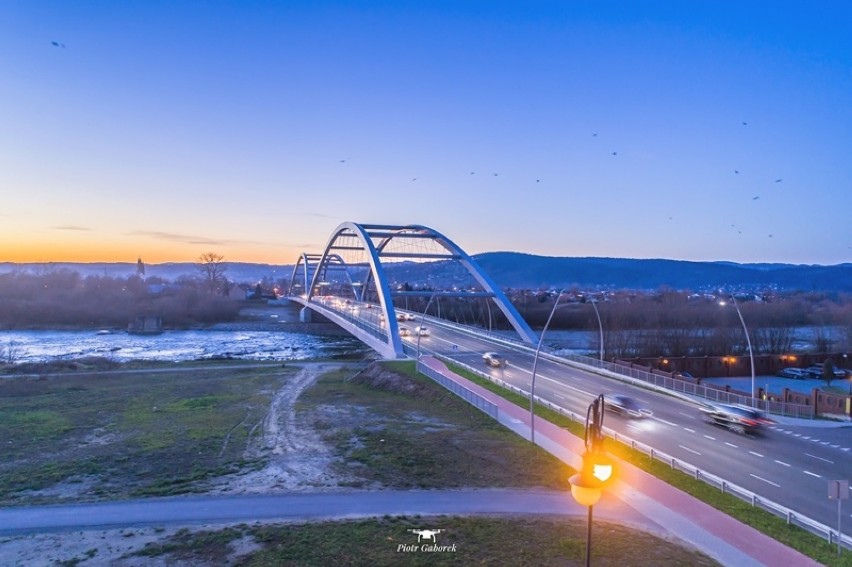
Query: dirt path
{"x": 297, "y": 459}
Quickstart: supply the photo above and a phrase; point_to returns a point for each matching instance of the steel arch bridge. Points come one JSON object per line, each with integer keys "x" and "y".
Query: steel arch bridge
{"x": 351, "y": 274}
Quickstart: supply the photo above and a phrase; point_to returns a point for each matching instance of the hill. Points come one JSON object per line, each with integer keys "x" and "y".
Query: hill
{"x": 519, "y": 270}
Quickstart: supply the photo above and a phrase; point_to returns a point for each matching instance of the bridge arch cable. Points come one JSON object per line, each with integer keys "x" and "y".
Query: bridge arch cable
{"x": 357, "y": 259}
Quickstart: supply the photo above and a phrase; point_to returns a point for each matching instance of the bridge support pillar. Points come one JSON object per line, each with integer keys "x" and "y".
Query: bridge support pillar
{"x": 305, "y": 315}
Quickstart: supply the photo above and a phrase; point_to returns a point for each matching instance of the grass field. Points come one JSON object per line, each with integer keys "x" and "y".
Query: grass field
{"x": 516, "y": 542}
{"x": 119, "y": 434}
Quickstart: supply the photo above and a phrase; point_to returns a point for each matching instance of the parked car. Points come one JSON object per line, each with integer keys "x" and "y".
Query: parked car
{"x": 625, "y": 406}
{"x": 797, "y": 373}
{"x": 815, "y": 371}
{"x": 739, "y": 419}
{"x": 494, "y": 359}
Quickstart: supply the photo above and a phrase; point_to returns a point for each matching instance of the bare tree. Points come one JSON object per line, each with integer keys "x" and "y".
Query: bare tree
{"x": 212, "y": 268}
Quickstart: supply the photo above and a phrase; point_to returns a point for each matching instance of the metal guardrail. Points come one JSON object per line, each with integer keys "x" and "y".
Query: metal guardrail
{"x": 471, "y": 397}
{"x": 727, "y": 487}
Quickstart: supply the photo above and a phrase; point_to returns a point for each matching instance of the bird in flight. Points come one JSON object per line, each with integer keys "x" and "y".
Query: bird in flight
{"x": 414, "y": 179}
{"x": 755, "y": 198}
{"x": 737, "y": 171}
{"x": 57, "y": 44}
{"x": 745, "y": 123}
{"x": 615, "y": 153}
{"x": 778, "y": 180}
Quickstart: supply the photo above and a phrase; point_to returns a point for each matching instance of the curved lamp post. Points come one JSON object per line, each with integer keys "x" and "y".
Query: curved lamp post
{"x": 535, "y": 365}
{"x": 422, "y": 317}
{"x": 597, "y": 469}
{"x": 748, "y": 342}
{"x": 600, "y": 326}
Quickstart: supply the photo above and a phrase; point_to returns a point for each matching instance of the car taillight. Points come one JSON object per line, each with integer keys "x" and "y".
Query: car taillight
{"x": 749, "y": 422}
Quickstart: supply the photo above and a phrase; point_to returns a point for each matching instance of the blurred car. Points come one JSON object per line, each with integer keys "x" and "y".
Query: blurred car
{"x": 400, "y": 316}
{"x": 625, "y": 406}
{"x": 404, "y": 331}
{"x": 422, "y": 331}
{"x": 494, "y": 359}
{"x": 409, "y": 316}
{"x": 739, "y": 419}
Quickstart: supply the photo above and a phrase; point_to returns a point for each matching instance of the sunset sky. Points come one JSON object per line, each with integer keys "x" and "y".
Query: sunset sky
{"x": 682, "y": 130}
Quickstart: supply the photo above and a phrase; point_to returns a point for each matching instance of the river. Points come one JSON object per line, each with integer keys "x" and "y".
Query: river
{"x": 176, "y": 346}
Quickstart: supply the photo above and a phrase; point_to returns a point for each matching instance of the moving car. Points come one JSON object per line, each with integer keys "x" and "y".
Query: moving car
{"x": 422, "y": 331}
{"x": 739, "y": 419}
{"x": 625, "y": 406}
{"x": 494, "y": 359}
{"x": 404, "y": 331}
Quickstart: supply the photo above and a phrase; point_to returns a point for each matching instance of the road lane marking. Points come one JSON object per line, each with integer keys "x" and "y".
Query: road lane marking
{"x": 732, "y": 445}
{"x": 664, "y": 421}
{"x": 755, "y": 454}
{"x": 710, "y": 438}
{"x": 636, "y": 427}
{"x": 812, "y": 474}
{"x": 820, "y": 458}
{"x": 690, "y": 430}
{"x": 687, "y": 415}
{"x": 782, "y": 463}
{"x": 764, "y": 480}
{"x": 558, "y": 396}
{"x": 564, "y": 385}
{"x": 690, "y": 450}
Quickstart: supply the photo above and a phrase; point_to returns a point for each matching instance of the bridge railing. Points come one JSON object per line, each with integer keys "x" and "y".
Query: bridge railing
{"x": 792, "y": 517}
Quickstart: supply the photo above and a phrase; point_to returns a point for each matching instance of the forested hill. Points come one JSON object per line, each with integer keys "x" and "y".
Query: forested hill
{"x": 519, "y": 270}
{"x": 514, "y": 269}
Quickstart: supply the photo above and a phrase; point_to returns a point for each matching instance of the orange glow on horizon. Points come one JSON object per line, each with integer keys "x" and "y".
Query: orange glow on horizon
{"x": 74, "y": 251}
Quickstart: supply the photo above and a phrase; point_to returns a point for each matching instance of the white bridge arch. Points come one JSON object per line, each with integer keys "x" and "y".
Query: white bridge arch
{"x": 353, "y": 266}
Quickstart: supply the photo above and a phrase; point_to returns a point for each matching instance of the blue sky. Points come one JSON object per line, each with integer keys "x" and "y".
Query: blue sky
{"x": 698, "y": 131}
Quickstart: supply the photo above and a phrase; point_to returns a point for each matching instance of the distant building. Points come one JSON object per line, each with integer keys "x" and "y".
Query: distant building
{"x": 140, "y": 268}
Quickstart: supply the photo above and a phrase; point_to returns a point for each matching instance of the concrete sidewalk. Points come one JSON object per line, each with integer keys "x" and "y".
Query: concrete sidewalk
{"x": 718, "y": 535}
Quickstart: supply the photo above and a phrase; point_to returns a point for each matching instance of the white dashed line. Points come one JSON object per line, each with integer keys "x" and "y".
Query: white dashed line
{"x": 690, "y": 430}
{"x": 710, "y": 438}
{"x": 664, "y": 421}
{"x": 686, "y": 415}
{"x": 558, "y": 396}
{"x": 690, "y": 450}
{"x": 732, "y": 445}
{"x": 819, "y": 458}
{"x": 766, "y": 481}
{"x": 782, "y": 463}
{"x": 812, "y": 474}
{"x": 755, "y": 454}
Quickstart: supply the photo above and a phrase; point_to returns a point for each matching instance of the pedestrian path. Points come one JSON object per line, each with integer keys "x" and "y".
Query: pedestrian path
{"x": 716, "y": 534}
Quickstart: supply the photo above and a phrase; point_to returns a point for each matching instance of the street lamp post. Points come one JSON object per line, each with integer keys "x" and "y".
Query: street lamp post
{"x": 748, "y": 342}
{"x": 600, "y": 326}
{"x": 535, "y": 365}
{"x": 420, "y": 330}
{"x": 596, "y": 470}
